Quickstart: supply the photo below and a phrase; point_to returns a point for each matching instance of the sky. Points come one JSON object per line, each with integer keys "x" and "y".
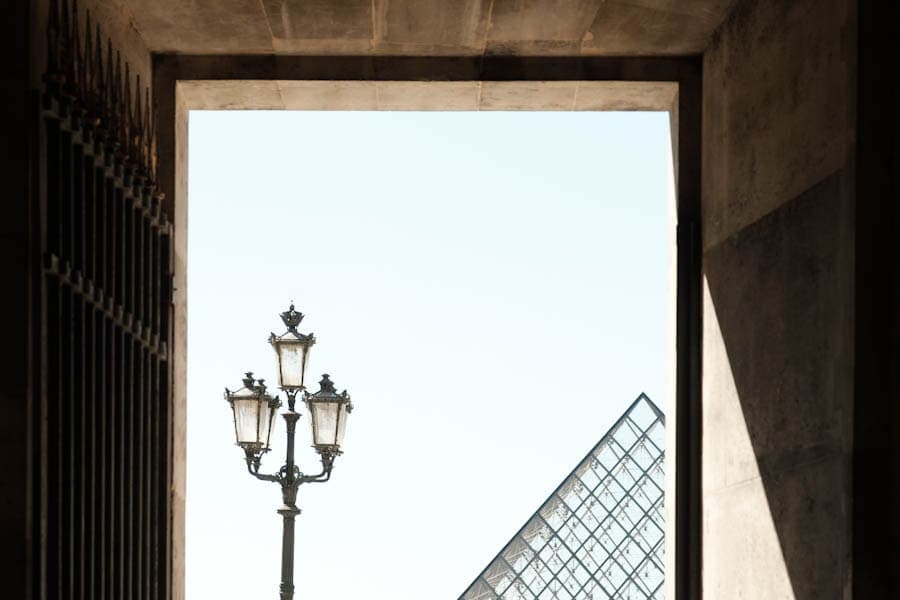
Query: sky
{"x": 492, "y": 288}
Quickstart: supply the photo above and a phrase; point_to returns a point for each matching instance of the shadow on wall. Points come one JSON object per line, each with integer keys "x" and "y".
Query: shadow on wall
{"x": 777, "y": 427}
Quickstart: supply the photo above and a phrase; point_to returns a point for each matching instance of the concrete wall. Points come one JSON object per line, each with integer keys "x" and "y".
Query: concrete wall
{"x": 778, "y": 194}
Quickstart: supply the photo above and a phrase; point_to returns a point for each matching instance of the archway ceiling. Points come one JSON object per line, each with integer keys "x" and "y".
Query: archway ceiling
{"x": 430, "y": 27}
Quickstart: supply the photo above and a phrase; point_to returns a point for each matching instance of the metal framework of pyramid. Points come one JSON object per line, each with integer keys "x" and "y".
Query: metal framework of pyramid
{"x": 600, "y": 534}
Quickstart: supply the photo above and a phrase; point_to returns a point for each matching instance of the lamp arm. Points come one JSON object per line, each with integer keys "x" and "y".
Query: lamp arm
{"x": 325, "y": 475}
{"x": 322, "y": 477}
{"x": 253, "y": 469}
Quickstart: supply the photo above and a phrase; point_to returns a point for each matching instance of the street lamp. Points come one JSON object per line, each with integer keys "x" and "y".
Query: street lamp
{"x": 292, "y": 350}
{"x": 254, "y": 412}
{"x": 328, "y": 412}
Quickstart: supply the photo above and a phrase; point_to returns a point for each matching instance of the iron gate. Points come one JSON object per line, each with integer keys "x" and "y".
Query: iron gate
{"x": 104, "y": 460}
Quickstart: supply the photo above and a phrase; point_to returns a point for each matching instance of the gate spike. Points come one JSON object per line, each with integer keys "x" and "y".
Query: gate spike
{"x": 66, "y": 46}
{"x": 126, "y": 112}
{"x": 137, "y": 124}
{"x": 154, "y": 159}
{"x": 99, "y": 73}
{"x": 116, "y": 103}
{"x": 88, "y": 59}
{"x": 64, "y": 22}
{"x": 108, "y": 83}
{"x": 53, "y": 39}
{"x": 145, "y": 133}
{"x": 78, "y": 88}
{"x": 98, "y": 58}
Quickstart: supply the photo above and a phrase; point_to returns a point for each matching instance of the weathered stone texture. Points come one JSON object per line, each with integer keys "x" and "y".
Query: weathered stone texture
{"x": 430, "y": 95}
{"x": 203, "y": 27}
{"x": 777, "y": 110}
{"x": 777, "y": 400}
{"x": 682, "y": 27}
{"x": 779, "y": 299}
{"x": 751, "y": 558}
{"x": 778, "y": 226}
{"x": 431, "y": 27}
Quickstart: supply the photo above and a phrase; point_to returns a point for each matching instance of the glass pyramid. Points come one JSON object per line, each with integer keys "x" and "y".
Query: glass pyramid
{"x": 600, "y": 534}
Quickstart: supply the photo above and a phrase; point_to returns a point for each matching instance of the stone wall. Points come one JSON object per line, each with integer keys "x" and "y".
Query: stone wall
{"x": 778, "y": 195}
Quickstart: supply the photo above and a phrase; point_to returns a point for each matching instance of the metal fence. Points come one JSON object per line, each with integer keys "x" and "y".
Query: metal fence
{"x": 102, "y": 457}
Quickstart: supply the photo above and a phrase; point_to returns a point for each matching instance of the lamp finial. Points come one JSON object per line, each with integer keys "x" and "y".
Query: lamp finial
{"x": 291, "y": 318}
{"x": 248, "y": 380}
{"x": 326, "y": 385}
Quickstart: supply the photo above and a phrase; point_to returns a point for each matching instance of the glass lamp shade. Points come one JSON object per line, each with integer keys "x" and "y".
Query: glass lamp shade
{"x": 254, "y": 414}
{"x": 328, "y": 412}
{"x": 292, "y": 350}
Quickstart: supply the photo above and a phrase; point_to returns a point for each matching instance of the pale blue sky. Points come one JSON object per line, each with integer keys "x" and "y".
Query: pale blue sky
{"x": 493, "y": 290}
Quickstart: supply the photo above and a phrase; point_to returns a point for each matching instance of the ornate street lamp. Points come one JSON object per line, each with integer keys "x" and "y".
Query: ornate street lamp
{"x": 254, "y": 412}
{"x": 328, "y": 412}
{"x": 292, "y": 350}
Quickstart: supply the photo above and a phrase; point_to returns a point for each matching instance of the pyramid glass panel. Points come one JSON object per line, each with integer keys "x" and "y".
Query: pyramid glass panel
{"x": 600, "y": 534}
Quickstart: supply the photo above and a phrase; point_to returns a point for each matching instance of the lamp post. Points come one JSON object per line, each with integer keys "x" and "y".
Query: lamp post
{"x": 254, "y": 413}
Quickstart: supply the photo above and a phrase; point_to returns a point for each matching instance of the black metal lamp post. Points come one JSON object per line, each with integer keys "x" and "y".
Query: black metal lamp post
{"x": 254, "y": 411}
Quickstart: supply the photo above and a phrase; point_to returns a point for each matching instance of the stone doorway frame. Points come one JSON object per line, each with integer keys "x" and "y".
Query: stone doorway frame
{"x": 182, "y": 83}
